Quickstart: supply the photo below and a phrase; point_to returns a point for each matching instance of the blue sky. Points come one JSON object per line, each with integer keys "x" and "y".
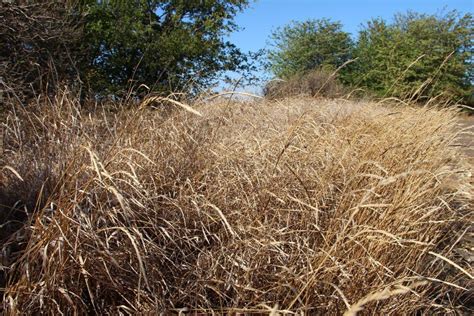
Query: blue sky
{"x": 263, "y": 16}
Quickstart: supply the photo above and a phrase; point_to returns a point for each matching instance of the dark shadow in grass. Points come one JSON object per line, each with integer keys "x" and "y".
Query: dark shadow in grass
{"x": 19, "y": 198}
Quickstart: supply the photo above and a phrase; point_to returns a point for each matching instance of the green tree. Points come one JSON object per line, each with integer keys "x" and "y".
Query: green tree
{"x": 303, "y": 46}
{"x": 168, "y": 45}
{"x": 417, "y": 56}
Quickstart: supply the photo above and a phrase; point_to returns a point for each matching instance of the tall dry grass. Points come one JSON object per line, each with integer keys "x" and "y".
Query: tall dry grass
{"x": 302, "y": 205}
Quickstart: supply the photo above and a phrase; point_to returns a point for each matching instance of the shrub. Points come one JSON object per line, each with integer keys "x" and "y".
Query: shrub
{"x": 37, "y": 51}
{"x": 315, "y": 83}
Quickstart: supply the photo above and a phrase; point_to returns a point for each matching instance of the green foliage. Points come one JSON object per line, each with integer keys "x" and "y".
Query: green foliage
{"x": 418, "y": 56}
{"x": 168, "y": 45}
{"x": 303, "y": 46}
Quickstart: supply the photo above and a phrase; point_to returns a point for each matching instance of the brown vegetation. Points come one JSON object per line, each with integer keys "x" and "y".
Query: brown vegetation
{"x": 317, "y": 83}
{"x": 37, "y": 51}
{"x": 297, "y": 205}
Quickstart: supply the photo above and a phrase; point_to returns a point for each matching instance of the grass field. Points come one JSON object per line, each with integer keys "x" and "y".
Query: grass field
{"x": 300, "y": 205}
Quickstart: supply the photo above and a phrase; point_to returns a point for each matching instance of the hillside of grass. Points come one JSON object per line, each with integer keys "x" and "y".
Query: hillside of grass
{"x": 300, "y": 205}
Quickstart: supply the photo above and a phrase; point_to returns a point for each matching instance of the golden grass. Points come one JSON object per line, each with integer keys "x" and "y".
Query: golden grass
{"x": 298, "y": 206}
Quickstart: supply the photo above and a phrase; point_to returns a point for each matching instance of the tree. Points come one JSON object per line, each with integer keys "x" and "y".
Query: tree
{"x": 418, "y": 56}
{"x": 168, "y": 45}
{"x": 303, "y": 46}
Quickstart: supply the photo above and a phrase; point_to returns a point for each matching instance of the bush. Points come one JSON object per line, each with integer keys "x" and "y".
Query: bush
{"x": 37, "y": 51}
{"x": 315, "y": 83}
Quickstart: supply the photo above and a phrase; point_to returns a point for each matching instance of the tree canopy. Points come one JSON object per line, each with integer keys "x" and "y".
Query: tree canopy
{"x": 165, "y": 44}
{"x": 416, "y": 56}
{"x": 304, "y": 46}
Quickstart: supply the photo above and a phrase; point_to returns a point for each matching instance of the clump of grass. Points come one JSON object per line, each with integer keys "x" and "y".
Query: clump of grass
{"x": 301, "y": 205}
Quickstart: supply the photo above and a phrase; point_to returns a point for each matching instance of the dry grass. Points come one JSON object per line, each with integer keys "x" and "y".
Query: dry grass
{"x": 308, "y": 206}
